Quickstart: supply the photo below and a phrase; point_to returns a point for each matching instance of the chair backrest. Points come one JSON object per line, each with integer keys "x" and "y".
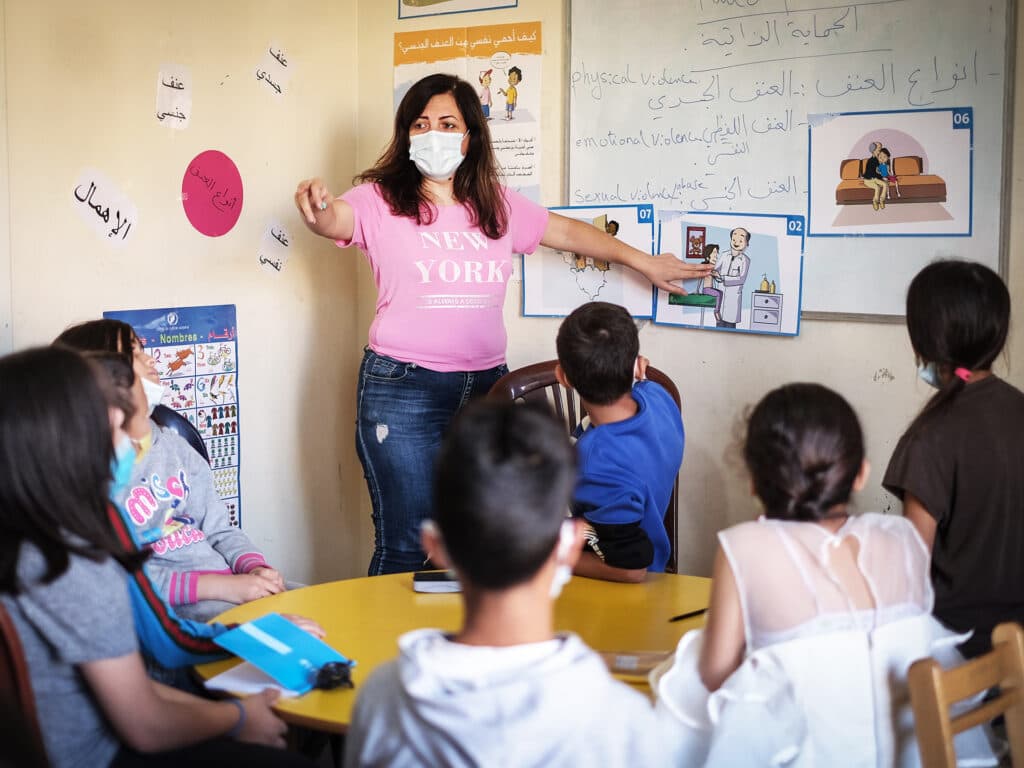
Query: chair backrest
{"x": 537, "y": 384}
{"x": 934, "y": 690}
{"x": 16, "y": 694}
{"x": 174, "y": 421}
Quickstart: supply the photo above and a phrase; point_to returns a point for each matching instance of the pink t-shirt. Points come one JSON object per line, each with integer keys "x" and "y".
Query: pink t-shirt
{"x": 440, "y": 287}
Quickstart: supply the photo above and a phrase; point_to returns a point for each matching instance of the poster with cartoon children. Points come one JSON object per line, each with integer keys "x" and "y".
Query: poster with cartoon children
{"x": 502, "y": 62}
{"x": 195, "y": 350}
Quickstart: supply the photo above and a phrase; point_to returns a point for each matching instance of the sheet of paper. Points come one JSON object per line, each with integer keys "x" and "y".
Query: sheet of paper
{"x": 174, "y": 96}
{"x": 246, "y": 678}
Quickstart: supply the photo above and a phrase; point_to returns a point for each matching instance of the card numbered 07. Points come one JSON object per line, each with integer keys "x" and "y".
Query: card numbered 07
{"x": 556, "y": 282}
{"x": 756, "y": 277}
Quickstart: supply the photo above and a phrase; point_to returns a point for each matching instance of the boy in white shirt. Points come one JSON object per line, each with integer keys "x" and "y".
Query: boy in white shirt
{"x": 504, "y": 690}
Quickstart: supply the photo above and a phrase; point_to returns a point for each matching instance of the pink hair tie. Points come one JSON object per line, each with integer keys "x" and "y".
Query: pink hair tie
{"x": 963, "y": 373}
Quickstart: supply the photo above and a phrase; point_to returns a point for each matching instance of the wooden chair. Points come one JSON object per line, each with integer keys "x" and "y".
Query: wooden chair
{"x": 537, "y": 384}
{"x": 16, "y": 696}
{"x": 933, "y": 690}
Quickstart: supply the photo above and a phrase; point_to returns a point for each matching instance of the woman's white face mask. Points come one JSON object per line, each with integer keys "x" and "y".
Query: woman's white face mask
{"x": 437, "y": 154}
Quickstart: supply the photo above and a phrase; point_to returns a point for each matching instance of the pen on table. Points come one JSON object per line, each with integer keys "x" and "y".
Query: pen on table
{"x": 689, "y": 614}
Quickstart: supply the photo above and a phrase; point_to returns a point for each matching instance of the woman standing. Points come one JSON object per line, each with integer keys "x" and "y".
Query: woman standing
{"x": 439, "y": 232}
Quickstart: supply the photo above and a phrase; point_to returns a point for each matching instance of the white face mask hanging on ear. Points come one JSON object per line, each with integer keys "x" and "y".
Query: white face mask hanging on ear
{"x": 154, "y": 393}
{"x": 563, "y": 573}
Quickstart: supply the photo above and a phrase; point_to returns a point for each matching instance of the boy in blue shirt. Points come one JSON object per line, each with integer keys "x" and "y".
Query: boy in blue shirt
{"x": 631, "y": 452}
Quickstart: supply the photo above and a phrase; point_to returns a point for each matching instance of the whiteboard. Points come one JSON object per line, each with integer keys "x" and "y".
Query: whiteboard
{"x": 708, "y": 105}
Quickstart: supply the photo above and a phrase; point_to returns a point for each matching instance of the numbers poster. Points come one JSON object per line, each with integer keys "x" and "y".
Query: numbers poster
{"x": 196, "y": 354}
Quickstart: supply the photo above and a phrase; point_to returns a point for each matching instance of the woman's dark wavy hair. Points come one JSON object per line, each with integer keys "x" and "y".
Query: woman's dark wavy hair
{"x": 958, "y": 316}
{"x": 804, "y": 448}
{"x": 476, "y": 179}
{"x": 55, "y": 458}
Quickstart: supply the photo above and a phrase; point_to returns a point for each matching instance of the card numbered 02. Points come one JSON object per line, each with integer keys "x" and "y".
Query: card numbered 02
{"x": 556, "y": 282}
{"x": 756, "y": 274}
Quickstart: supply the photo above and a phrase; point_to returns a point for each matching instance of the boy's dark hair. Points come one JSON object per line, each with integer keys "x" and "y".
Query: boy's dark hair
{"x": 505, "y": 476}
{"x": 804, "y": 448}
{"x": 55, "y": 459}
{"x": 100, "y": 336}
{"x": 958, "y": 316}
{"x": 118, "y": 380}
{"x": 476, "y": 179}
{"x": 597, "y": 347}
{"x": 518, "y": 72}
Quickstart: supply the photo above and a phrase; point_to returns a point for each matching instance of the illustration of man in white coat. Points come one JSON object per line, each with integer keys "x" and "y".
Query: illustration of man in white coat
{"x": 729, "y": 276}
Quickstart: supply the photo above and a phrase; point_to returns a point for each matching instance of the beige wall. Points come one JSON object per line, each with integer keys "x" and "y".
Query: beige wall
{"x": 79, "y": 88}
{"x": 5, "y": 233}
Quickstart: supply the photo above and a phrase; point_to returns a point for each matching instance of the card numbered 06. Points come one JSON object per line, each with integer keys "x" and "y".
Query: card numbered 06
{"x": 756, "y": 276}
{"x": 556, "y": 282}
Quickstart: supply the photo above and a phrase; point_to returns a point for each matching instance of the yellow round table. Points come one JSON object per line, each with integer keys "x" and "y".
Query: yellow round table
{"x": 364, "y": 618}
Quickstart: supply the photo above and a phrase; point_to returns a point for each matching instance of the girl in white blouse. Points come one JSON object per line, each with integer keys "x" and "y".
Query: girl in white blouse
{"x": 815, "y": 615}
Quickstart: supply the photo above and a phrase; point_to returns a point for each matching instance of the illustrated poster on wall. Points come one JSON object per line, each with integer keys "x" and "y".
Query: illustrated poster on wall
{"x": 556, "y": 282}
{"x": 503, "y": 63}
{"x": 756, "y": 282}
{"x": 891, "y": 174}
{"x": 196, "y": 354}
{"x": 408, "y": 9}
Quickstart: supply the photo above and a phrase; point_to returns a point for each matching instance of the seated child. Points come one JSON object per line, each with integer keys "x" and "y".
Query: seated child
{"x": 815, "y": 616}
{"x": 630, "y": 454}
{"x": 504, "y": 690}
{"x": 170, "y": 644}
{"x": 200, "y": 562}
{"x": 63, "y": 583}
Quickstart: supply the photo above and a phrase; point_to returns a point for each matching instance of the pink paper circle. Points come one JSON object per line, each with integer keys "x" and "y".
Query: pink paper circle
{"x": 211, "y": 193}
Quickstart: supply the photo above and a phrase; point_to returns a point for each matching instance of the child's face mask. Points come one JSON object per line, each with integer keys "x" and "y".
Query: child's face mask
{"x": 154, "y": 393}
{"x": 563, "y": 571}
{"x": 121, "y": 467}
{"x": 929, "y": 374}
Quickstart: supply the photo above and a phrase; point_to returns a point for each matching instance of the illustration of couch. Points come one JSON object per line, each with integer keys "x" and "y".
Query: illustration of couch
{"x": 914, "y": 186}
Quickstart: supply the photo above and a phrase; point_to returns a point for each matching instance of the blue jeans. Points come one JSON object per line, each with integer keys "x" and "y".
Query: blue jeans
{"x": 402, "y": 413}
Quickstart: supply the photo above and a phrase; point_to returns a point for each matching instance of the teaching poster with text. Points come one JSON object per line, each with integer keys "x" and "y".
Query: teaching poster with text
{"x": 503, "y": 64}
{"x": 196, "y": 354}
